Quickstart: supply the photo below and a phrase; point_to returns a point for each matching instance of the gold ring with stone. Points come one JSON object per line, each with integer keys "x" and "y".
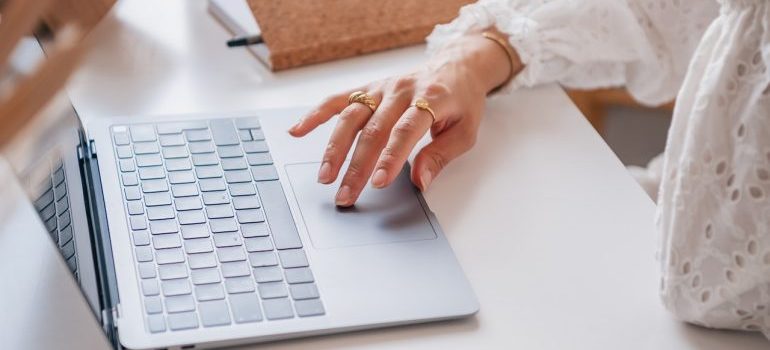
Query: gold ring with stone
{"x": 422, "y": 104}
{"x": 363, "y": 98}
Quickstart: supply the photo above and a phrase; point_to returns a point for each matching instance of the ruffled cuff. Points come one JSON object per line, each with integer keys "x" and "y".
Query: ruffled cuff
{"x": 514, "y": 22}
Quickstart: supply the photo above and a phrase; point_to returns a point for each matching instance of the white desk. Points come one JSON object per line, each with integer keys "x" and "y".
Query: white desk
{"x": 557, "y": 240}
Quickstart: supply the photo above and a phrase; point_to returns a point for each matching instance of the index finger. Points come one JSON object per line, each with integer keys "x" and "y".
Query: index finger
{"x": 331, "y": 106}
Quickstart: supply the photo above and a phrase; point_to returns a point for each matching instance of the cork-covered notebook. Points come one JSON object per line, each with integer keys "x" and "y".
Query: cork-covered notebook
{"x": 301, "y": 32}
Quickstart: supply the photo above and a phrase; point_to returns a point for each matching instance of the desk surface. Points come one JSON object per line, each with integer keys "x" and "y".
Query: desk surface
{"x": 556, "y": 238}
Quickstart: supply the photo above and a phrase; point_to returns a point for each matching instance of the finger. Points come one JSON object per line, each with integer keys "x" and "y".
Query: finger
{"x": 409, "y": 129}
{"x": 445, "y": 147}
{"x": 351, "y": 120}
{"x": 371, "y": 140}
{"x": 321, "y": 114}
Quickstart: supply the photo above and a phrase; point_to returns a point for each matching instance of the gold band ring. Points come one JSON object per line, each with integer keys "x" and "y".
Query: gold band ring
{"x": 422, "y": 104}
{"x": 363, "y": 98}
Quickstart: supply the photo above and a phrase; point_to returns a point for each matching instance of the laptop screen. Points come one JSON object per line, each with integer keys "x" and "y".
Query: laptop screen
{"x": 45, "y": 159}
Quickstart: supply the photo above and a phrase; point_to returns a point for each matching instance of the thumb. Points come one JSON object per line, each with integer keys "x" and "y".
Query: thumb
{"x": 445, "y": 147}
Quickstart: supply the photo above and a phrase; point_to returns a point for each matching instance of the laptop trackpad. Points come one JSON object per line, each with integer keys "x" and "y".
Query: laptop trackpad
{"x": 393, "y": 214}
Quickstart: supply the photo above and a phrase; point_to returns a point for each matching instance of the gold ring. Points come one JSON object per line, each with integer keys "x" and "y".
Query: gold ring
{"x": 421, "y": 103}
{"x": 363, "y": 98}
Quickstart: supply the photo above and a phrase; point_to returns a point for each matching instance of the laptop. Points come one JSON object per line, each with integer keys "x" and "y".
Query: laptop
{"x": 195, "y": 231}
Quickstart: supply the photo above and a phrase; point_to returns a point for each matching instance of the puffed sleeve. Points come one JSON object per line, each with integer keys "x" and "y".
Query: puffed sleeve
{"x": 644, "y": 45}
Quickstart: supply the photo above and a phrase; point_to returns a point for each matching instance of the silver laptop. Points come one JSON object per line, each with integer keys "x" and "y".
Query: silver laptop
{"x": 210, "y": 230}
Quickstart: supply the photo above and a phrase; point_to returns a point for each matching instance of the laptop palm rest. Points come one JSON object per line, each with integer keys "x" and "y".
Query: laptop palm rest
{"x": 393, "y": 214}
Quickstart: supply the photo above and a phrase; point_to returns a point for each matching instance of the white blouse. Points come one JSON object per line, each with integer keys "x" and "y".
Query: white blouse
{"x": 713, "y": 204}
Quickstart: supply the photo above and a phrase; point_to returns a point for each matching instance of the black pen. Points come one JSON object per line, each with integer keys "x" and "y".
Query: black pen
{"x": 245, "y": 40}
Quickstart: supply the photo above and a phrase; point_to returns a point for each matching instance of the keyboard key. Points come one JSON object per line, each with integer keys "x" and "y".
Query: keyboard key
{"x": 48, "y": 212}
{"x": 191, "y": 217}
{"x": 171, "y": 140}
{"x": 227, "y": 239}
{"x": 126, "y": 165}
{"x": 176, "y": 287}
{"x": 259, "y": 244}
{"x": 245, "y": 135}
{"x": 248, "y": 216}
{"x": 246, "y": 202}
{"x": 124, "y": 151}
{"x": 68, "y": 250}
{"x": 210, "y": 185}
{"x": 121, "y": 138}
{"x": 247, "y": 123}
{"x": 172, "y": 271}
{"x": 223, "y": 225}
{"x": 210, "y": 292}
{"x": 141, "y": 133}
{"x": 302, "y": 291}
{"x": 143, "y": 254}
{"x": 177, "y": 164}
{"x": 245, "y": 308}
{"x": 156, "y": 323}
{"x": 184, "y": 190}
{"x": 257, "y": 134}
{"x": 178, "y": 127}
{"x": 135, "y": 207}
{"x": 293, "y": 258}
{"x": 150, "y": 287}
{"x": 224, "y": 132}
{"x": 133, "y": 193}
{"x": 175, "y": 152}
{"x": 278, "y": 214}
{"x": 197, "y": 135}
{"x": 255, "y": 147}
{"x": 140, "y": 238}
{"x": 198, "y": 245}
{"x": 264, "y": 173}
{"x": 205, "y": 276}
{"x": 299, "y": 275}
{"x": 146, "y": 148}
{"x": 151, "y": 186}
{"x": 214, "y": 313}
{"x": 160, "y": 212}
{"x": 219, "y": 211}
{"x": 187, "y": 203}
{"x": 182, "y": 320}
{"x": 208, "y": 171}
{"x": 205, "y": 159}
{"x": 201, "y": 260}
{"x": 169, "y": 256}
{"x": 147, "y": 270}
{"x": 195, "y": 231}
{"x": 153, "y": 305}
{"x": 65, "y": 235}
{"x": 236, "y": 285}
{"x": 235, "y": 269}
{"x": 170, "y": 240}
{"x": 228, "y": 254}
{"x": 310, "y": 307}
{"x": 259, "y": 158}
{"x": 268, "y": 274}
{"x": 261, "y": 259}
{"x": 180, "y": 303}
{"x": 152, "y": 172}
{"x": 201, "y": 147}
{"x": 234, "y": 164}
{"x": 211, "y": 198}
{"x": 155, "y": 199}
{"x": 129, "y": 179}
{"x": 273, "y": 290}
{"x": 230, "y": 151}
{"x": 242, "y": 189}
{"x": 137, "y": 222}
{"x": 236, "y": 176}
{"x": 259, "y": 229}
{"x": 159, "y": 227}
{"x": 181, "y": 177}
{"x": 143, "y": 160}
{"x": 276, "y": 309}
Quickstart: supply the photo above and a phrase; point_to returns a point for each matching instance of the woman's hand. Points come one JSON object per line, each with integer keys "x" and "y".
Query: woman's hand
{"x": 455, "y": 83}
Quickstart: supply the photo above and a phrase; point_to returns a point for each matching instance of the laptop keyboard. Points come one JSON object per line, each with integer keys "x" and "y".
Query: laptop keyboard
{"x": 54, "y": 208}
{"x": 214, "y": 239}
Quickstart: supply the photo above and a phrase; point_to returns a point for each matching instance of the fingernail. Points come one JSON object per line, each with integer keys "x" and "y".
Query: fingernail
{"x": 325, "y": 173}
{"x": 379, "y": 178}
{"x": 425, "y": 179}
{"x": 344, "y": 196}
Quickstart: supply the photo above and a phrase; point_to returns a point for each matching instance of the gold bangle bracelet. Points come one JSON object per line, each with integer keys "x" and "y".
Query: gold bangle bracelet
{"x": 503, "y": 43}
